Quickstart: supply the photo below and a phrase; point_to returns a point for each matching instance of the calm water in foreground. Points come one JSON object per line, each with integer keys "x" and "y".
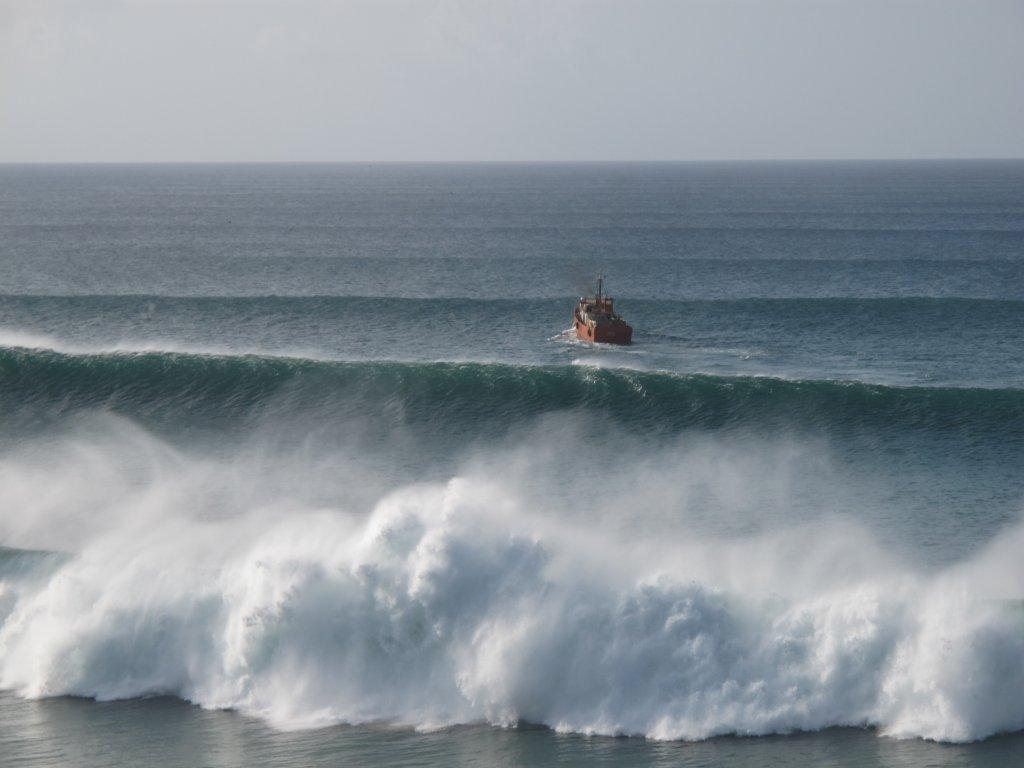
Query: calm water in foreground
{"x": 171, "y": 733}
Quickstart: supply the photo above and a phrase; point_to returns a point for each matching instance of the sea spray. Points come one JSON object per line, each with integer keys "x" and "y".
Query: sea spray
{"x": 447, "y": 605}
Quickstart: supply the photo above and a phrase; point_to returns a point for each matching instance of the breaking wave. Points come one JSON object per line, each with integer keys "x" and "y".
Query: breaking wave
{"x": 451, "y": 604}
{"x": 250, "y": 579}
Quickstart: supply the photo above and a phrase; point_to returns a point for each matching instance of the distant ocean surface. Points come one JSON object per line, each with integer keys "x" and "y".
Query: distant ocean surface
{"x": 299, "y": 465}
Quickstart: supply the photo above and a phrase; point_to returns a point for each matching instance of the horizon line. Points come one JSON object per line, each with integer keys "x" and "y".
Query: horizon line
{"x": 666, "y": 161}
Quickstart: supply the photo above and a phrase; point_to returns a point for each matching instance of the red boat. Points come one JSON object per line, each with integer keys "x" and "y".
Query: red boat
{"x": 595, "y": 319}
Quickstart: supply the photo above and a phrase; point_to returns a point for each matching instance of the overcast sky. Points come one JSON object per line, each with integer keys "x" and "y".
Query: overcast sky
{"x": 129, "y": 80}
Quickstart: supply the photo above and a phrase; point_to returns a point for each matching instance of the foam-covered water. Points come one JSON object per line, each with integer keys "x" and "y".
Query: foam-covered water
{"x": 426, "y": 519}
{"x": 455, "y": 603}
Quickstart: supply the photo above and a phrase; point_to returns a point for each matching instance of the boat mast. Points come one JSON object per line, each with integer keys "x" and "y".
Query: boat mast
{"x": 600, "y": 282}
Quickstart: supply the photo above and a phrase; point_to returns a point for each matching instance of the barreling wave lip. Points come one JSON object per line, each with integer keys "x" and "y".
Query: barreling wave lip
{"x": 171, "y": 384}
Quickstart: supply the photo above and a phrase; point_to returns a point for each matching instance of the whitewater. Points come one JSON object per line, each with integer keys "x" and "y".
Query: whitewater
{"x": 450, "y": 603}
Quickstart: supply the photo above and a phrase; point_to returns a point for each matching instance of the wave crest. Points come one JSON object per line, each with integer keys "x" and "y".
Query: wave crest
{"x": 166, "y": 387}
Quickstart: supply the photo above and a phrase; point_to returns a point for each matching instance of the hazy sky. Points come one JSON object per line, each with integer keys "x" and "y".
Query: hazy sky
{"x": 509, "y": 79}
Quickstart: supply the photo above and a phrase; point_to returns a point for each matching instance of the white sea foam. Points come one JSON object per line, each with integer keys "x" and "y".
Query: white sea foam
{"x": 16, "y": 338}
{"x": 13, "y": 337}
{"x": 459, "y": 601}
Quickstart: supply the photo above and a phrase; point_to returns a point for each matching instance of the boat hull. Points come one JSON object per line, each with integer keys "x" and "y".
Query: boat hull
{"x": 611, "y": 333}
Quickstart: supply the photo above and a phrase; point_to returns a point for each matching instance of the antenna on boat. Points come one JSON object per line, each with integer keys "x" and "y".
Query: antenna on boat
{"x": 600, "y": 283}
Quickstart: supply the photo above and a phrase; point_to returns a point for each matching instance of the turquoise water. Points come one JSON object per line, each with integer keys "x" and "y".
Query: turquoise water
{"x": 310, "y": 447}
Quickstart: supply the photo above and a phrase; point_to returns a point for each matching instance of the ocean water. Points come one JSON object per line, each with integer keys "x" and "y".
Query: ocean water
{"x": 300, "y": 466}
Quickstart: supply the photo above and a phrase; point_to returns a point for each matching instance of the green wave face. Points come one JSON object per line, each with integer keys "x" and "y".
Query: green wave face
{"x": 953, "y": 342}
{"x": 168, "y": 388}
